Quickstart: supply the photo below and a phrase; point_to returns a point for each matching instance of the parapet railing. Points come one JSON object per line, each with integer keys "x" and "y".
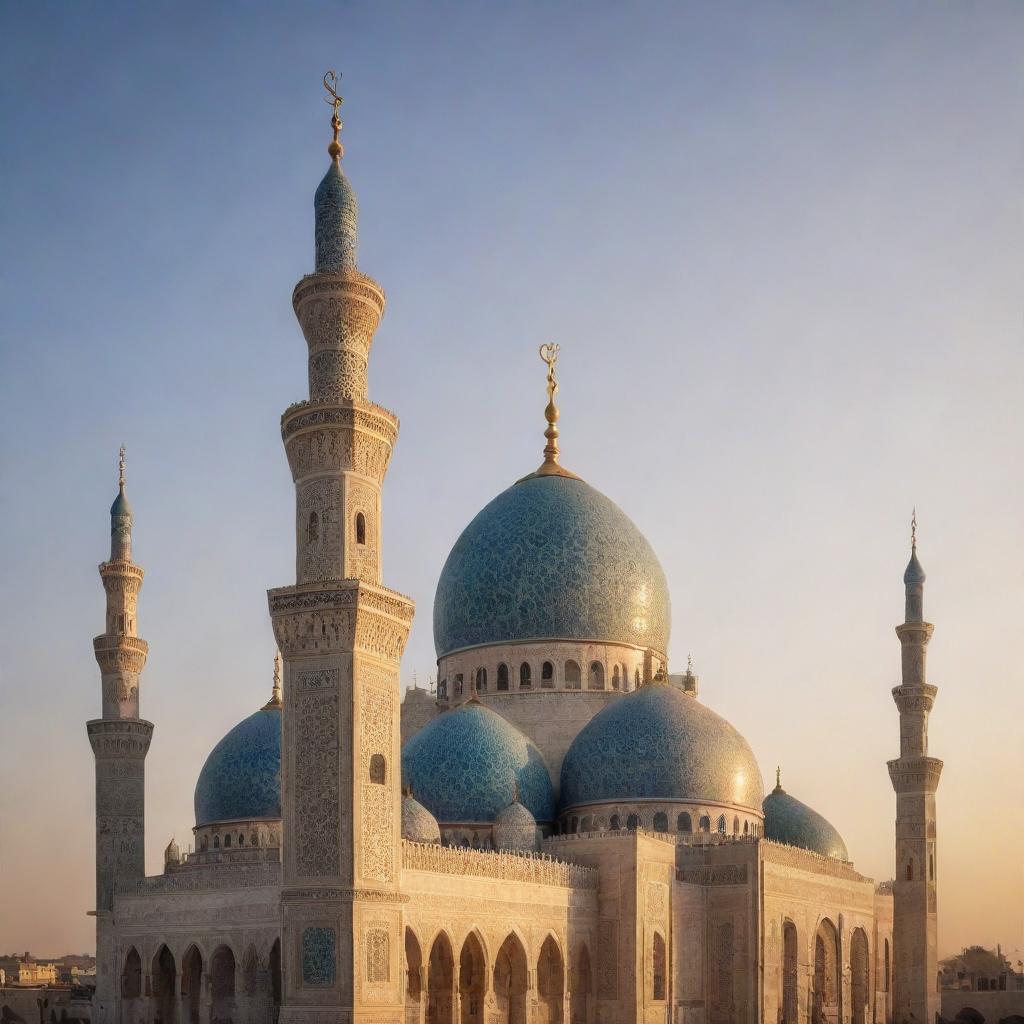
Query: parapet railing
{"x": 506, "y": 864}
{"x": 795, "y": 856}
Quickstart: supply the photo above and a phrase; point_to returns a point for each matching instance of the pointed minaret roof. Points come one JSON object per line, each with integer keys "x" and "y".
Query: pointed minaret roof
{"x": 334, "y": 204}
{"x": 914, "y": 572}
{"x": 120, "y": 507}
{"x": 275, "y": 694}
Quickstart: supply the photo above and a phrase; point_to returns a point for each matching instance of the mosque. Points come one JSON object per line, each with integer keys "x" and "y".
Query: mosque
{"x": 563, "y": 833}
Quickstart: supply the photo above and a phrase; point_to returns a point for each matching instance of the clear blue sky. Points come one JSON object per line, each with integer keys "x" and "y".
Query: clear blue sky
{"x": 781, "y": 246}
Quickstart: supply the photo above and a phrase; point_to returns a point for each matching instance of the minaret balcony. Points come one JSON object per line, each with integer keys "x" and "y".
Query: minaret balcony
{"x": 915, "y": 774}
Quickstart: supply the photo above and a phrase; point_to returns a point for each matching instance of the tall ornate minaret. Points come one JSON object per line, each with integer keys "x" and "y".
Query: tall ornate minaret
{"x": 120, "y": 741}
{"x": 341, "y": 635}
{"x": 915, "y": 777}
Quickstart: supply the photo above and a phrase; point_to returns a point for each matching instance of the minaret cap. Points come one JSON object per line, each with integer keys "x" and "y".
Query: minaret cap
{"x": 335, "y": 208}
{"x": 914, "y": 572}
{"x": 275, "y": 695}
{"x": 778, "y": 780}
{"x": 120, "y": 506}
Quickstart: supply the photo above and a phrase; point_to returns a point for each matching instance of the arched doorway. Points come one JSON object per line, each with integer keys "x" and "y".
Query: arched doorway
{"x": 510, "y": 983}
{"x": 275, "y": 977}
{"x": 550, "y": 983}
{"x": 790, "y": 974}
{"x": 131, "y": 976}
{"x": 472, "y": 980}
{"x": 222, "y": 986}
{"x": 440, "y": 979}
{"x": 413, "y": 978}
{"x": 191, "y": 985}
{"x": 165, "y": 974}
{"x": 580, "y": 994}
{"x": 595, "y": 681}
{"x": 859, "y": 975}
{"x": 825, "y": 1002}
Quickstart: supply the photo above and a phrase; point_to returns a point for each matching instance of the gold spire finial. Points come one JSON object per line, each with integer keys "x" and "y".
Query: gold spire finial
{"x": 275, "y": 696}
{"x": 335, "y": 149}
{"x": 778, "y": 778}
{"x": 120, "y": 468}
{"x": 913, "y": 529}
{"x": 550, "y": 466}
{"x": 689, "y": 664}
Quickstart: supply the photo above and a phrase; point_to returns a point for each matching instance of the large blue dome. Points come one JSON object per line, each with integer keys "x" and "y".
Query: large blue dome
{"x": 790, "y": 821}
{"x": 551, "y": 558}
{"x": 659, "y": 743}
{"x": 464, "y": 766}
{"x": 242, "y": 776}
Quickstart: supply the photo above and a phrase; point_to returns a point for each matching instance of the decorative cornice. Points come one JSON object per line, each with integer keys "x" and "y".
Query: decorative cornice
{"x": 332, "y": 894}
{"x": 120, "y": 652}
{"x": 915, "y": 774}
{"x": 355, "y": 414}
{"x": 120, "y": 737}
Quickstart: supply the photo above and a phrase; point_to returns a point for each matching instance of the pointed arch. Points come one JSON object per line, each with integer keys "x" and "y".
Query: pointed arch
{"x": 790, "y": 973}
{"x": 572, "y": 675}
{"x": 222, "y": 984}
{"x": 582, "y": 982}
{"x": 825, "y": 994}
{"x": 472, "y": 980}
{"x": 441, "y": 981}
{"x": 250, "y": 972}
{"x": 413, "y": 977}
{"x": 860, "y": 960}
{"x": 164, "y": 973}
{"x": 131, "y": 975}
{"x": 550, "y": 982}
{"x": 275, "y": 975}
{"x": 191, "y": 983}
{"x": 510, "y": 980}
{"x": 659, "y": 969}
{"x": 595, "y": 680}
{"x": 503, "y": 676}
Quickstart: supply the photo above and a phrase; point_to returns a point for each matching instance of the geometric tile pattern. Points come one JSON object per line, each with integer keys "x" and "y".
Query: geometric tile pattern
{"x": 242, "y": 776}
{"x": 660, "y": 743}
{"x": 790, "y": 821}
{"x": 465, "y": 764}
{"x": 336, "y": 213}
{"x": 551, "y": 557}
{"x": 318, "y": 957}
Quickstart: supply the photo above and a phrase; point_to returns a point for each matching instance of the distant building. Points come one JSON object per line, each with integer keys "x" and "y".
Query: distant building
{"x": 25, "y": 970}
{"x": 977, "y": 969}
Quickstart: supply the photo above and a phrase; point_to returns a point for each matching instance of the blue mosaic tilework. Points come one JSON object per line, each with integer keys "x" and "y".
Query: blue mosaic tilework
{"x": 463, "y": 766}
{"x": 318, "y": 956}
{"x": 551, "y": 557}
{"x": 336, "y": 213}
{"x": 242, "y": 775}
{"x": 659, "y": 743}
{"x": 788, "y": 820}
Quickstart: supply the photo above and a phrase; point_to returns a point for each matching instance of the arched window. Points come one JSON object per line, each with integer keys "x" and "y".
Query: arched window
{"x": 721, "y": 824}
{"x": 442, "y": 689}
{"x": 616, "y": 682}
{"x": 586, "y": 825}
{"x": 360, "y": 528}
{"x": 595, "y": 680}
{"x": 684, "y": 823}
{"x": 204, "y": 844}
{"x": 616, "y": 824}
{"x": 661, "y": 822}
{"x": 790, "y": 974}
{"x": 572, "y": 675}
{"x": 705, "y": 823}
{"x": 931, "y": 867}
{"x": 458, "y": 684}
{"x": 886, "y": 978}
{"x": 636, "y": 677}
{"x": 575, "y": 826}
{"x": 735, "y": 826}
{"x": 547, "y": 675}
{"x": 658, "y": 965}
{"x": 481, "y": 680}
{"x": 313, "y": 529}
{"x": 910, "y": 870}
{"x": 633, "y": 822}
{"x": 241, "y": 839}
{"x": 503, "y": 677}
{"x": 254, "y": 840}
{"x": 524, "y": 676}
{"x": 378, "y": 769}
{"x": 746, "y": 826}
{"x": 227, "y": 840}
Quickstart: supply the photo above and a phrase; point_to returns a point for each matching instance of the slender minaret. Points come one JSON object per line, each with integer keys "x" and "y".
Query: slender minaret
{"x": 915, "y": 777}
{"x": 120, "y": 741}
{"x": 341, "y": 635}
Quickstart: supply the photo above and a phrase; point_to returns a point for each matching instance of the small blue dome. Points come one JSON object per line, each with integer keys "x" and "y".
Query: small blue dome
{"x": 788, "y": 820}
{"x": 242, "y": 776}
{"x": 658, "y": 743}
{"x": 464, "y": 766}
{"x": 336, "y": 214}
{"x": 914, "y": 572}
{"x": 551, "y": 558}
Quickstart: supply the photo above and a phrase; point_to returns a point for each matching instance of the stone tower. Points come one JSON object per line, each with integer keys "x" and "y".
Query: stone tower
{"x": 341, "y": 635}
{"x": 120, "y": 741}
{"x": 915, "y": 777}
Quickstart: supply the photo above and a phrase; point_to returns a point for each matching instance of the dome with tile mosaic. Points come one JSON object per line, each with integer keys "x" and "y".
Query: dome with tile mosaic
{"x": 551, "y": 558}
{"x": 465, "y": 765}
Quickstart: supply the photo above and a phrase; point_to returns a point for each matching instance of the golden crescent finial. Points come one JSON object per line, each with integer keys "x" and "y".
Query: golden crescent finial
{"x": 120, "y": 468}
{"x": 913, "y": 529}
{"x": 335, "y": 149}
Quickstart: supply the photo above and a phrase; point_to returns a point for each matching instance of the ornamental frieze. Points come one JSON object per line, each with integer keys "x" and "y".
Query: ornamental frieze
{"x": 714, "y": 874}
{"x": 334, "y": 894}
